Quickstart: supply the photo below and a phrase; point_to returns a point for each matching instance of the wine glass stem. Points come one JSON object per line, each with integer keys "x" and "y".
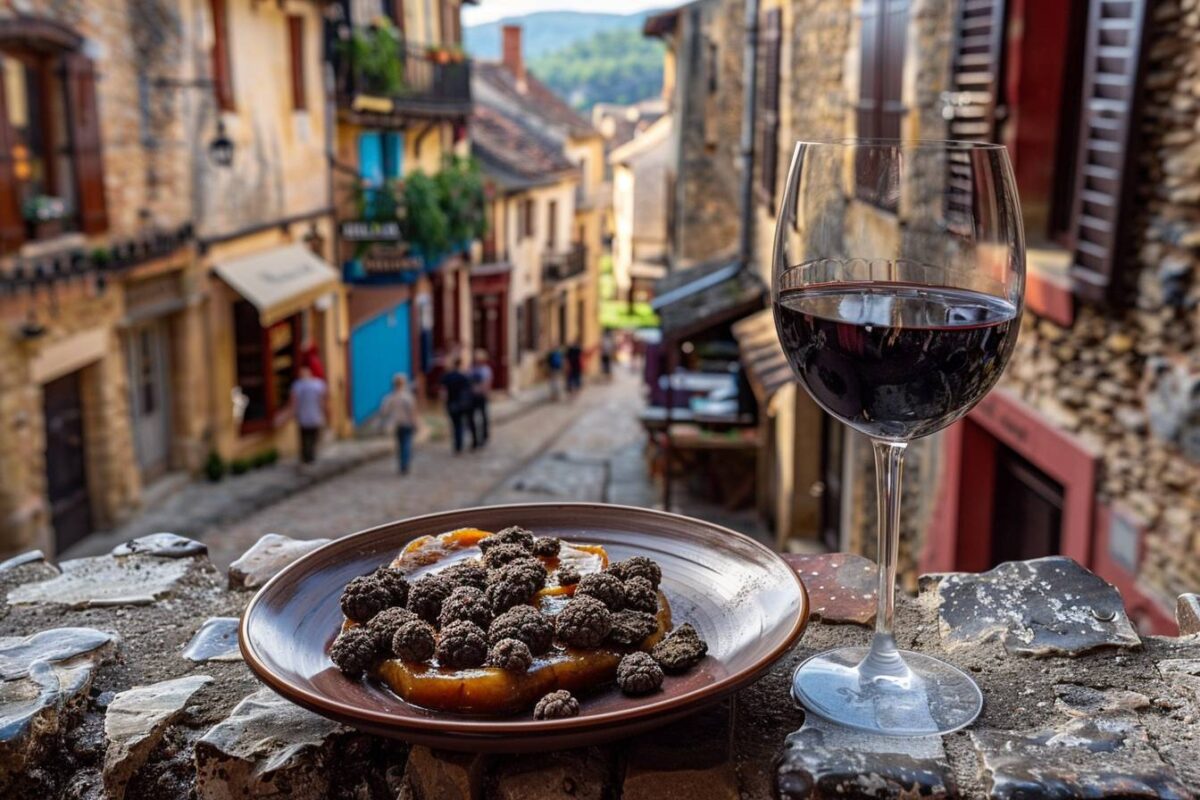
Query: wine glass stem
{"x": 884, "y": 658}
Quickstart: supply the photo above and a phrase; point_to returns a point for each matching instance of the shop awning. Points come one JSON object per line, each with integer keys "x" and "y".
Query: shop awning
{"x": 279, "y": 281}
{"x": 695, "y": 299}
{"x": 762, "y": 357}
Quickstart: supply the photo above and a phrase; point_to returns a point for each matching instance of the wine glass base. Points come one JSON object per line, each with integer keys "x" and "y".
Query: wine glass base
{"x": 929, "y": 697}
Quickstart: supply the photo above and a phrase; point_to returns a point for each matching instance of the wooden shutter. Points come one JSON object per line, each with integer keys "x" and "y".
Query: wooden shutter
{"x": 892, "y": 38}
{"x": 12, "y": 226}
{"x": 880, "y": 109}
{"x": 769, "y": 105}
{"x": 972, "y": 104}
{"x": 79, "y": 79}
{"x": 1107, "y": 143}
{"x": 296, "y": 50}
{"x": 867, "y": 108}
{"x": 222, "y": 72}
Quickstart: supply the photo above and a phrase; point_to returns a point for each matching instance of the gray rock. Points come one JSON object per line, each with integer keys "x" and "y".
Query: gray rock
{"x": 162, "y": 545}
{"x": 1183, "y": 673}
{"x": 1096, "y": 757}
{"x": 30, "y": 557}
{"x": 105, "y": 581}
{"x": 267, "y": 747}
{"x": 826, "y": 760}
{"x": 1040, "y": 607}
{"x": 1187, "y": 614}
{"x": 1076, "y": 700}
{"x": 267, "y": 557}
{"x": 19, "y": 654}
{"x": 135, "y": 723}
{"x": 217, "y": 640}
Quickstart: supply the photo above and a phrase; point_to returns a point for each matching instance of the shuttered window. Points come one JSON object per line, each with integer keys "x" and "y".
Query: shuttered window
{"x": 1107, "y": 144}
{"x": 222, "y": 72}
{"x": 769, "y": 106}
{"x": 552, "y": 225}
{"x": 880, "y": 109}
{"x": 295, "y": 24}
{"x": 85, "y": 142}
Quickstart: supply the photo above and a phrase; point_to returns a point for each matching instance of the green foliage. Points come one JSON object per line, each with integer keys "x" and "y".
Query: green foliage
{"x": 616, "y": 66}
{"x": 426, "y": 223}
{"x": 544, "y": 31}
{"x": 460, "y": 188}
{"x": 375, "y": 53}
{"x": 239, "y": 466}
{"x": 214, "y": 467}
{"x": 265, "y": 458}
{"x": 616, "y": 314}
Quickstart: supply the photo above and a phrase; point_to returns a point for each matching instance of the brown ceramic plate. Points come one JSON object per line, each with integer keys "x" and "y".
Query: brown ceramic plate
{"x": 743, "y": 599}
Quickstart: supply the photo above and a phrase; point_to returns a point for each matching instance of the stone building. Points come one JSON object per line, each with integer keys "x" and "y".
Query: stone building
{"x": 642, "y": 178}
{"x": 101, "y": 295}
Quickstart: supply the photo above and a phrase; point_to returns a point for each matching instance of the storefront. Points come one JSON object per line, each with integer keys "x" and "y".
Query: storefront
{"x": 490, "y": 317}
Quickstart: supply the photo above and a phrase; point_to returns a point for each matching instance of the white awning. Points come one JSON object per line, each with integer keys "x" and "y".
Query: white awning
{"x": 279, "y": 282}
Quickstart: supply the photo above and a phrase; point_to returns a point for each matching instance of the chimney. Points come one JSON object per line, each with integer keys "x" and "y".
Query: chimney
{"x": 512, "y": 53}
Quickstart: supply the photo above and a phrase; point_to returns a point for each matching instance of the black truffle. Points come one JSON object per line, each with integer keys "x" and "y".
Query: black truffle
{"x": 414, "y": 641}
{"x": 631, "y": 627}
{"x": 387, "y": 622}
{"x": 681, "y": 650}
{"x": 510, "y": 654}
{"x": 505, "y": 594}
{"x": 546, "y": 547}
{"x": 512, "y": 535}
{"x": 462, "y": 644}
{"x": 466, "y": 603}
{"x": 525, "y": 624}
{"x": 395, "y": 582}
{"x": 426, "y": 595}
{"x": 606, "y": 588}
{"x": 640, "y": 595}
{"x": 556, "y": 705}
{"x": 499, "y": 555}
{"x": 566, "y": 574}
{"x": 353, "y": 650}
{"x": 638, "y": 673}
{"x": 471, "y": 572}
{"x": 637, "y": 566}
{"x": 527, "y": 570}
{"x": 364, "y": 597}
{"x": 583, "y": 622}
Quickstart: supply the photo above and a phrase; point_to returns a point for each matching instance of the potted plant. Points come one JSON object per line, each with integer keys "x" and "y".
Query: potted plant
{"x": 425, "y": 222}
{"x": 374, "y": 54}
{"x": 462, "y": 196}
{"x": 44, "y": 215}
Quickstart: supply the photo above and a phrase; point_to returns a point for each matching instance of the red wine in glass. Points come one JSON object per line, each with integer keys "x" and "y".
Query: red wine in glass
{"x": 894, "y": 360}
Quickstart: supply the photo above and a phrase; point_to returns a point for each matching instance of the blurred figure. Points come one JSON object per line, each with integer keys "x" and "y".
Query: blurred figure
{"x": 398, "y": 414}
{"x": 554, "y": 364}
{"x": 481, "y": 386}
{"x": 574, "y": 367}
{"x": 456, "y": 387}
{"x": 310, "y": 405}
{"x": 310, "y": 356}
{"x": 608, "y": 348}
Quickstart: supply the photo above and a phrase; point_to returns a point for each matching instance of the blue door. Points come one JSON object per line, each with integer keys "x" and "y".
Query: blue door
{"x": 379, "y": 348}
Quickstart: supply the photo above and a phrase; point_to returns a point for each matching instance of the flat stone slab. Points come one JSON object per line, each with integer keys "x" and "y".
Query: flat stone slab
{"x": 162, "y": 545}
{"x": 1076, "y": 700}
{"x": 267, "y": 557}
{"x": 1047, "y": 606}
{"x": 266, "y": 747}
{"x": 105, "y": 581}
{"x": 569, "y": 774}
{"x": 1187, "y": 613}
{"x": 688, "y": 760}
{"x": 20, "y": 560}
{"x": 826, "y": 760}
{"x": 19, "y": 654}
{"x": 1183, "y": 673}
{"x": 135, "y": 722}
{"x": 841, "y": 587}
{"x": 1097, "y": 757}
{"x": 217, "y": 640}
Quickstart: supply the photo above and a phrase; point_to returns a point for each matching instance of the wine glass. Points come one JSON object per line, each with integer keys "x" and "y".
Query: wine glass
{"x": 898, "y": 276}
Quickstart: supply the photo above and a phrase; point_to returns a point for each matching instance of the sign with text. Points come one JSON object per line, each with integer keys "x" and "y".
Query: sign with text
{"x": 364, "y": 230}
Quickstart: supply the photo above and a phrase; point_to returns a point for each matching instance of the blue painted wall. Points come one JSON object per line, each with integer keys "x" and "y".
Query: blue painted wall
{"x": 379, "y": 348}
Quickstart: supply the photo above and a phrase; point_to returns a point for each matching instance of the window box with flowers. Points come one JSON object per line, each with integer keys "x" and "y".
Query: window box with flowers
{"x": 45, "y": 217}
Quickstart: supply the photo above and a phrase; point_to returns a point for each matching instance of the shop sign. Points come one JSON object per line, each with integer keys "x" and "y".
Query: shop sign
{"x": 365, "y": 230}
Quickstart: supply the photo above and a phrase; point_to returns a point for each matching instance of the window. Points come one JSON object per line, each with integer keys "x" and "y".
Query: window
{"x": 51, "y": 170}
{"x": 267, "y": 360}
{"x": 530, "y": 331}
{"x": 881, "y": 69}
{"x": 296, "y": 49}
{"x": 395, "y": 12}
{"x": 769, "y": 107}
{"x": 222, "y": 71}
{"x": 526, "y": 227}
{"x": 380, "y": 161}
{"x": 552, "y": 225}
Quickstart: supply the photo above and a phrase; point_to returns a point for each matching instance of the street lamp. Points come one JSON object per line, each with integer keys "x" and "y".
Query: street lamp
{"x": 220, "y": 149}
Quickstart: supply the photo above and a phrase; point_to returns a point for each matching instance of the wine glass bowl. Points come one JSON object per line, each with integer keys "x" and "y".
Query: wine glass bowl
{"x": 898, "y": 285}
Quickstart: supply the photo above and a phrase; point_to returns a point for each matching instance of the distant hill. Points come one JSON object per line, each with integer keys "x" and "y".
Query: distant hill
{"x": 547, "y": 30}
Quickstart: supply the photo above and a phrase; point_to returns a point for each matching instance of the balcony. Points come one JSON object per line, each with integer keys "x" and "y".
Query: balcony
{"x": 561, "y": 266}
{"x": 377, "y": 78}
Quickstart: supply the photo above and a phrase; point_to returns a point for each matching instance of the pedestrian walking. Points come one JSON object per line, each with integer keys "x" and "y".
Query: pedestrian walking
{"x": 398, "y": 414}
{"x": 310, "y": 406}
{"x": 574, "y": 368}
{"x": 554, "y": 365}
{"x": 481, "y": 387}
{"x": 607, "y": 349}
{"x": 456, "y": 387}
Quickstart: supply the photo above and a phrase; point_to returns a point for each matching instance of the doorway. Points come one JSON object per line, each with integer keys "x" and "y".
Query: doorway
{"x": 488, "y": 334}
{"x": 1027, "y": 510}
{"x": 149, "y": 397}
{"x": 66, "y": 470}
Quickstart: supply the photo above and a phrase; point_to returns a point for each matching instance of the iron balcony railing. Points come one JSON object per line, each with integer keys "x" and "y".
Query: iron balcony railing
{"x": 428, "y": 82}
{"x": 561, "y": 266}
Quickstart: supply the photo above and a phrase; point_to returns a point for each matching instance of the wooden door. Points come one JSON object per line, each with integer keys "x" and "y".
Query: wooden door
{"x": 488, "y": 333}
{"x": 149, "y": 397}
{"x": 1027, "y": 510}
{"x": 66, "y": 471}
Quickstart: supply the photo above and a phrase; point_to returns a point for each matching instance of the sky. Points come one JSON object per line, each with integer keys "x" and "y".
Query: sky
{"x": 489, "y": 10}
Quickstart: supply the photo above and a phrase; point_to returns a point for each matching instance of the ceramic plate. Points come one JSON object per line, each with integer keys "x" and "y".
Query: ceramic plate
{"x": 745, "y": 601}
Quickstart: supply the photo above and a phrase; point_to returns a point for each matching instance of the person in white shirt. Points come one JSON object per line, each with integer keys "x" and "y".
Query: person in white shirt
{"x": 398, "y": 414}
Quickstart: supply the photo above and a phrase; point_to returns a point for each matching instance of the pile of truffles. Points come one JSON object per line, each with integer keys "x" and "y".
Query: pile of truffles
{"x": 478, "y": 613}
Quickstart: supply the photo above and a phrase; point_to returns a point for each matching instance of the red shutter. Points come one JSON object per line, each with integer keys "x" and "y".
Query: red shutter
{"x": 769, "y": 106}
{"x": 83, "y": 124}
{"x": 12, "y": 226}
{"x": 222, "y": 73}
{"x": 296, "y": 49}
{"x": 1107, "y": 146}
